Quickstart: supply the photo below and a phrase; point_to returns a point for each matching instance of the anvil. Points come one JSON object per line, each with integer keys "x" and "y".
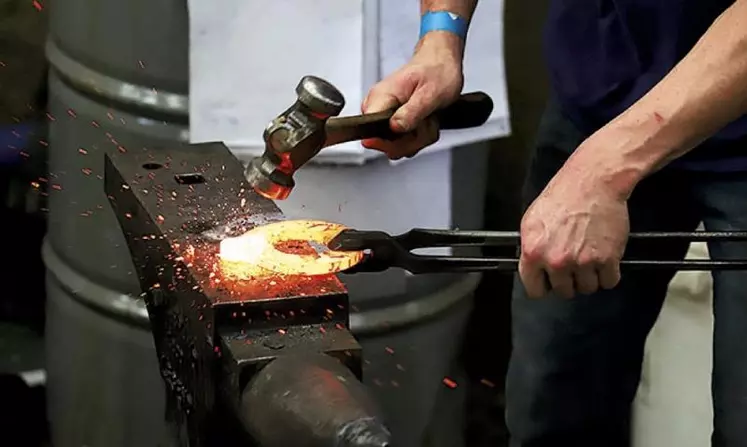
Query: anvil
{"x": 265, "y": 361}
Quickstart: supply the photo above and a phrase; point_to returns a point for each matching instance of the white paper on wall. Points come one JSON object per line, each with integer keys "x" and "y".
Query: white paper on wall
{"x": 247, "y": 57}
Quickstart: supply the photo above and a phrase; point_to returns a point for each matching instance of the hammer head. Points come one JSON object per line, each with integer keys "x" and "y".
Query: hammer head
{"x": 294, "y": 137}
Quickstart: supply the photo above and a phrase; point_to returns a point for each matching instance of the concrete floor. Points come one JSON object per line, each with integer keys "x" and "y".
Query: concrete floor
{"x": 673, "y": 406}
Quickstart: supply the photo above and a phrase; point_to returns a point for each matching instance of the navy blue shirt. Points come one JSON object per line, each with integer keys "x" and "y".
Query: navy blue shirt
{"x": 603, "y": 55}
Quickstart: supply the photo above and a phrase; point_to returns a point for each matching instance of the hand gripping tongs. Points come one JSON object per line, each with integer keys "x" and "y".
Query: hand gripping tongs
{"x": 383, "y": 251}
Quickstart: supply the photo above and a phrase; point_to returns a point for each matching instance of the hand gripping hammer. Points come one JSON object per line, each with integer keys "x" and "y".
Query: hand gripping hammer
{"x": 311, "y": 123}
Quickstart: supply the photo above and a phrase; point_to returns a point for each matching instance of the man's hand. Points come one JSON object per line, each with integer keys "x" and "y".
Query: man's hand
{"x": 430, "y": 80}
{"x": 574, "y": 235}
{"x": 577, "y": 229}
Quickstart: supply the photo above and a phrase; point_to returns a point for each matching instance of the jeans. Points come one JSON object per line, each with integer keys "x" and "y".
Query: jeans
{"x": 576, "y": 364}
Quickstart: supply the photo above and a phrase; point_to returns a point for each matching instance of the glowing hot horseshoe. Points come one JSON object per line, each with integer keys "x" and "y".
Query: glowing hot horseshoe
{"x": 292, "y": 247}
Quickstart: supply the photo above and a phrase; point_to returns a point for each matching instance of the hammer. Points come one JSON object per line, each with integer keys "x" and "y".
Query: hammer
{"x": 311, "y": 124}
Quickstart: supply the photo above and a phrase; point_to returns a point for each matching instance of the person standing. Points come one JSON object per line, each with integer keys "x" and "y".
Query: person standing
{"x": 645, "y": 130}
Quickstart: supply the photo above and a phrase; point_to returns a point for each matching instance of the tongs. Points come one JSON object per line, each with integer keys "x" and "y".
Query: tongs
{"x": 383, "y": 251}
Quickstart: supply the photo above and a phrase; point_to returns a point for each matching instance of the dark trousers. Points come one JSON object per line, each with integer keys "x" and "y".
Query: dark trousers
{"x": 576, "y": 363}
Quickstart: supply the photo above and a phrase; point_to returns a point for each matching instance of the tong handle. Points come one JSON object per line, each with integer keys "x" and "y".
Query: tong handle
{"x": 417, "y": 264}
{"x": 395, "y": 251}
{"x": 470, "y": 110}
{"x": 424, "y": 238}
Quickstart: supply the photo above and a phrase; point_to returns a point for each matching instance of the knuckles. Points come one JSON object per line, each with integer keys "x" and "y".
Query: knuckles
{"x": 560, "y": 262}
{"x": 533, "y": 254}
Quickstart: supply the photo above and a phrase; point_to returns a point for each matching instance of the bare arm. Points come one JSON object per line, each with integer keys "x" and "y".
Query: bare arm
{"x": 706, "y": 91}
{"x": 464, "y": 8}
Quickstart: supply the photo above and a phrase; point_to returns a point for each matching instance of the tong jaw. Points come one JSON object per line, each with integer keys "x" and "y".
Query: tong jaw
{"x": 382, "y": 250}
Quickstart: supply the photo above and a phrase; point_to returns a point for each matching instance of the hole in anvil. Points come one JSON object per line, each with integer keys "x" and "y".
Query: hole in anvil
{"x": 198, "y": 227}
{"x": 193, "y": 178}
{"x": 152, "y": 166}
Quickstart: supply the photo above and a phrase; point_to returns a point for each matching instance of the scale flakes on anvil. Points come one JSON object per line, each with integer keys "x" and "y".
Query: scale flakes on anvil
{"x": 209, "y": 215}
{"x": 215, "y": 327}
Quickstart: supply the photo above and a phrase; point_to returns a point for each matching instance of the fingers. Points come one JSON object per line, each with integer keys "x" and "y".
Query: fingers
{"x": 533, "y": 278}
{"x": 586, "y": 279}
{"x": 416, "y": 98}
{"x": 609, "y": 275}
{"x": 565, "y": 275}
{"x": 561, "y": 281}
{"x": 408, "y": 144}
{"x": 568, "y": 280}
{"x": 421, "y": 104}
{"x": 378, "y": 101}
{"x": 540, "y": 277}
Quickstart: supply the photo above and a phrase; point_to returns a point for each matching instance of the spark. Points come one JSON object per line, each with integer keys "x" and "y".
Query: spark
{"x": 449, "y": 383}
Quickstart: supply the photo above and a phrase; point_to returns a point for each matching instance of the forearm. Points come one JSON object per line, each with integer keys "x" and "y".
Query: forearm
{"x": 463, "y": 8}
{"x": 706, "y": 91}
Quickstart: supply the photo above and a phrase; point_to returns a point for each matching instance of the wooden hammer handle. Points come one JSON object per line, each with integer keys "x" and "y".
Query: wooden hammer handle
{"x": 470, "y": 110}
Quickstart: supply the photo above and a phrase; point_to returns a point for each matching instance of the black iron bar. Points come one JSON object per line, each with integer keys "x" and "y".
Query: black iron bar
{"x": 423, "y": 238}
{"x": 445, "y": 264}
{"x": 396, "y": 251}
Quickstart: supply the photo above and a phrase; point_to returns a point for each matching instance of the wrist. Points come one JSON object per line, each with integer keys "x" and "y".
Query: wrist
{"x": 604, "y": 165}
{"x": 443, "y": 45}
{"x": 446, "y": 27}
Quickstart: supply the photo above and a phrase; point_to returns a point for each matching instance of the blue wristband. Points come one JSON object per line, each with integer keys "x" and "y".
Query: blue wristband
{"x": 443, "y": 21}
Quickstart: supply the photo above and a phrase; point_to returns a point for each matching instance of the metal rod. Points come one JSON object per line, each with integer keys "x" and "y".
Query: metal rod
{"x": 422, "y": 238}
{"x": 439, "y": 264}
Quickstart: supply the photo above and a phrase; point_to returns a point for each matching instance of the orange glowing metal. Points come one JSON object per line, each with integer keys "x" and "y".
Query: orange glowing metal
{"x": 292, "y": 247}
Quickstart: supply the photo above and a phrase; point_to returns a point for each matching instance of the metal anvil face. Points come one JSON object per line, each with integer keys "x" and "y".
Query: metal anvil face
{"x": 213, "y": 330}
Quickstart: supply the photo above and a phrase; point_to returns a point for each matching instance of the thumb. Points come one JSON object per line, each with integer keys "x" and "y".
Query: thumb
{"x": 378, "y": 102}
{"x": 421, "y": 104}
